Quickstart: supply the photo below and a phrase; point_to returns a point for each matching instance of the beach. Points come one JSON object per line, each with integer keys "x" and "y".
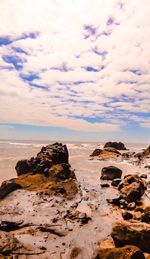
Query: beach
{"x": 40, "y": 211}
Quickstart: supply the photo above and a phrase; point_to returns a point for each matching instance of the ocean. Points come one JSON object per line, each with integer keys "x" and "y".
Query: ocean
{"x": 13, "y": 150}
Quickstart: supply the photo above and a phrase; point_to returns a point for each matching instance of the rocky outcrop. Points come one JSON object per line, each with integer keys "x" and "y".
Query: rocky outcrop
{"x": 53, "y": 154}
{"x": 126, "y": 252}
{"x": 49, "y": 172}
{"x": 116, "y": 145}
{"x": 132, "y": 188}
{"x": 125, "y": 233}
{"x": 103, "y": 154}
{"x": 110, "y": 173}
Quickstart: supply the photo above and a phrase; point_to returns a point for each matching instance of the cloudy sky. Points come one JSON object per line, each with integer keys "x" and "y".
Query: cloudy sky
{"x": 75, "y": 69}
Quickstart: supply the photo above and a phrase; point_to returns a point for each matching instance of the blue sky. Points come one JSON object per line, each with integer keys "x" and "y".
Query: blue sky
{"x": 77, "y": 70}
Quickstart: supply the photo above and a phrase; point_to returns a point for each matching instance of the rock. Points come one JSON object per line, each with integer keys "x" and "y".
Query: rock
{"x": 146, "y": 215}
{"x": 126, "y": 252}
{"x": 111, "y": 149}
{"x": 96, "y": 152}
{"x": 10, "y": 225}
{"x": 7, "y": 187}
{"x": 144, "y": 154}
{"x": 132, "y": 188}
{"x": 116, "y": 145}
{"x": 24, "y": 166}
{"x": 104, "y": 185}
{"x": 105, "y": 153}
{"x": 50, "y": 185}
{"x": 131, "y": 206}
{"x": 128, "y": 155}
{"x": 137, "y": 215}
{"x": 49, "y": 173}
{"x": 53, "y": 154}
{"x": 8, "y": 243}
{"x": 61, "y": 172}
{"x": 126, "y": 233}
{"x": 115, "y": 182}
{"x": 143, "y": 176}
{"x": 127, "y": 215}
{"x": 110, "y": 173}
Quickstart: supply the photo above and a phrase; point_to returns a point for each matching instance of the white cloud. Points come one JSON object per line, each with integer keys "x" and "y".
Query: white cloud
{"x": 61, "y": 40}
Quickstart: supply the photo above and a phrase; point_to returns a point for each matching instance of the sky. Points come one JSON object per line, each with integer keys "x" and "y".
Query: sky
{"x": 75, "y": 70}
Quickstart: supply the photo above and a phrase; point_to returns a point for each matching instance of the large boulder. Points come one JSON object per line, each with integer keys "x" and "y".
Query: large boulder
{"x": 129, "y": 233}
{"x": 53, "y": 154}
{"x": 116, "y": 145}
{"x": 132, "y": 188}
{"x": 110, "y": 173}
{"x": 48, "y": 172}
{"x": 126, "y": 252}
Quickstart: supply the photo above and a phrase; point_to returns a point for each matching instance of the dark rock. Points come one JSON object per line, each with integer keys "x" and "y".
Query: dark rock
{"x": 131, "y": 206}
{"x": 104, "y": 185}
{"x": 146, "y": 215}
{"x": 126, "y": 252}
{"x": 7, "y": 187}
{"x": 53, "y": 154}
{"x": 138, "y": 234}
{"x": 132, "y": 188}
{"x": 110, "y": 173}
{"x": 143, "y": 176}
{"x": 115, "y": 182}
{"x": 116, "y": 145}
{"x": 127, "y": 215}
{"x": 115, "y": 201}
{"x": 96, "y": 152}
{"x": 10, "y": 225}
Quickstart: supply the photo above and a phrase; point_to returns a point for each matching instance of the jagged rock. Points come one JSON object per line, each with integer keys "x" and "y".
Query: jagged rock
{"x": 53, "y": 154}
{"x": 132, "y": 188}
{"x": 8, "y": 243}
{"x": 115, "y": 182}
{"x": 127, "y": 215}
{"x": 126, "y": 252}
{"x": 126, "y": 233}
{"x": 116, "y": 145}
{"x": 49, "y": 172}
{"x": 110, "y": 173}
{"x": 146, "y": 215}
{"x": 7, "y": 187}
